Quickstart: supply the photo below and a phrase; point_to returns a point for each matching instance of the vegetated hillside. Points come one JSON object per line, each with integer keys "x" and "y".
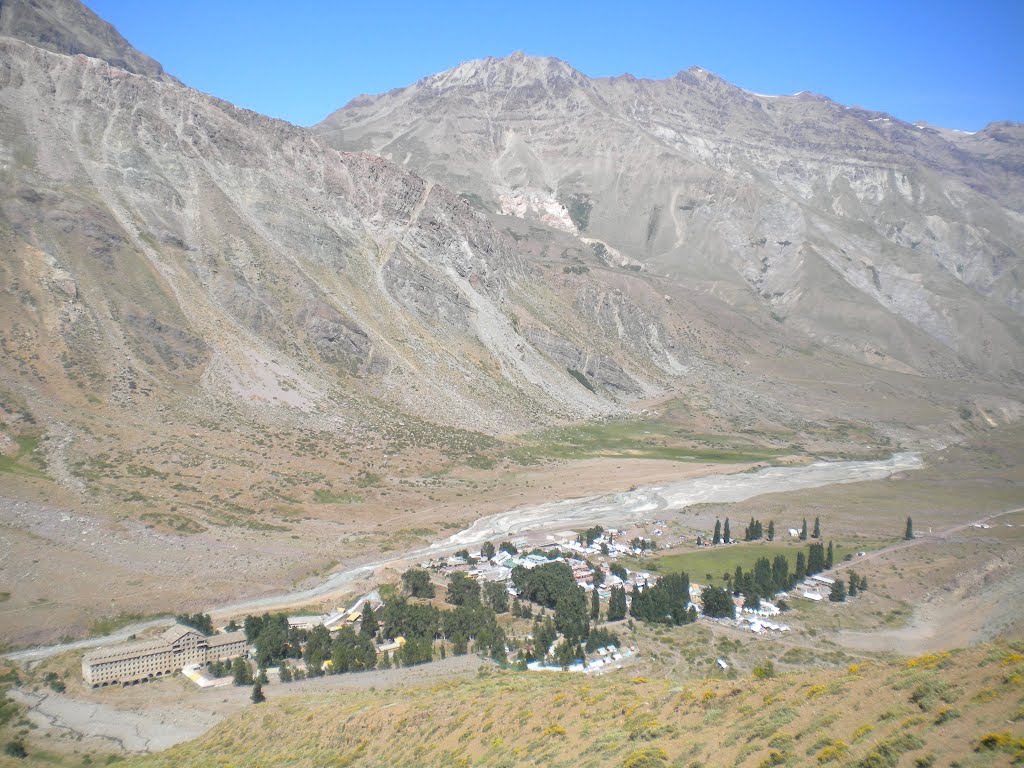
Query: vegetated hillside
{"x": 962, "y": 708}
{"x": 895, "y": 244}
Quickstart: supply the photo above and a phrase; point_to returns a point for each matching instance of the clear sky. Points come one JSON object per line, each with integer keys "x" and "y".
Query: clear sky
{"x": 954, "y": 64}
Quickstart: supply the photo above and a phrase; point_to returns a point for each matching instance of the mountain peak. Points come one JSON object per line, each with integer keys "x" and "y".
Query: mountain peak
{"x": 68, "y": 27}
{"x": 516, "y": 69}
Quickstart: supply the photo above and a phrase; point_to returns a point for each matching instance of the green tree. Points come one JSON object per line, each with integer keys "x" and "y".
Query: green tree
{"x": 725, "y": 532}
{"x": 496, "y": 596}
{"x": 838, "y": 592}
{"x": 487, "y": 551}
{"x": 595, "y": 605}
{"x": 286, "y": 672}
{"x": 617, "y": 569}
{"x": 801, "y": 566}
{"x": 909, "y": 533}
{"x": 369, "y": 624}
{"x": 718, "y": 533}
{"x": 241, "y": 672}
{"x": 261, "y": 678}
{"x": 200, "y": 621}
{"x": 546, "y": 583}
{"x": 815, "y": 558}
{"x": 257, "y": 694}
{"x": 828, "y": 557}
{"x": 617, "y": 604}
{"x": 771, "y": 530}
{"x": 544, "y": 634}
{"x": 16, "y": 748}
{"x": 417, "y": 582}
{"x": 565, "y": 654}
{"x": 508, "y": 546}
{"x": 803, "y": 531}
{"x": 717, "y": 603}
{"x": 863, "y": 583}
{"x": 463, "y": 590}
{"x": 817, "y": 529}
{"x": 854, "y": 585}
{"x": 571, "y": 615}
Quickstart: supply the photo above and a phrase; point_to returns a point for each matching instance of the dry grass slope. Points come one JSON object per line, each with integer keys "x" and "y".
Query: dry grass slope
{"x": 962, "y": 708}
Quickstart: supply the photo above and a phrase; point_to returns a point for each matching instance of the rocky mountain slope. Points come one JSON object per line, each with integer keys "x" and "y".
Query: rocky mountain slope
{"x": 160, "y": 240}
{"x": 188, "y": 287}
{"x": 72, "y": 28}
{"x": 894, "y": 244}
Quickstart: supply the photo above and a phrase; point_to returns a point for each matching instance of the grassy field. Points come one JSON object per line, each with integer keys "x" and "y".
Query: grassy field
{"x": 25, "y": 461}
{"x": 963, "y": 707}
{"x": 724, "y": 558}
{"x": 642, "y": 439}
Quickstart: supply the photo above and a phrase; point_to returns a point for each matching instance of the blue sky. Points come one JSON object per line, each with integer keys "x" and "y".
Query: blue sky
{"x": 954, "y": 64}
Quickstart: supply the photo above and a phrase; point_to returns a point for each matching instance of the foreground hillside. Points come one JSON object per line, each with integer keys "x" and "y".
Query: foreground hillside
{"x": 961, "y": 708}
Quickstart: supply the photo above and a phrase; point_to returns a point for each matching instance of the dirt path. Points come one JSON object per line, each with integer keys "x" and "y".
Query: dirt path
{"x": 975, "y": 607}
{"x": 127, "y": 731}
{"x": 179, "y": 717}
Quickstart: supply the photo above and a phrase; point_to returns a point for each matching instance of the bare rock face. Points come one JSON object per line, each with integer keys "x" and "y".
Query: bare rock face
{"x": 588, "y": 245}
{"x": 891, "y": 243}
{"x": 71, "y": 28}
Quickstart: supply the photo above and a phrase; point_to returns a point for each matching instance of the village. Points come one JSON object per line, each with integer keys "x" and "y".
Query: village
{"x": 573, "y": 586}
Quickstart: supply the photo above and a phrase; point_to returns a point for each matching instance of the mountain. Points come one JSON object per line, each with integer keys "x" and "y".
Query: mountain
{"x": 223, "y": 337}
{"x": 894, "y": 244}
{"x": 71, "y": 28}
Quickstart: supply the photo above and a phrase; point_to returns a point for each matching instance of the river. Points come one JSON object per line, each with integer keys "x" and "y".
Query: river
{"x": 611, "y": 509}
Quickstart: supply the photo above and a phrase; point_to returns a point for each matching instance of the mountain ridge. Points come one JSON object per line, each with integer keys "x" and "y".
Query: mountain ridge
{"x": 534, "y": 138}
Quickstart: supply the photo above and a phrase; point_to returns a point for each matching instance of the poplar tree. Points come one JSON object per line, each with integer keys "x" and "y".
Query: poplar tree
{"x": 817, "y": 528}
{"x": 909, "y": 534}
{"x": 803, "y": 531}
{"x": 595, "y": 605}
{"x": 828, "y": 557}
{"x": 771, "y": 530}
{"x": 369, "y": 624}
{"x": 718, "y": 533}
{"x": 725, "y": 534}
{"x": 257, "y": 694}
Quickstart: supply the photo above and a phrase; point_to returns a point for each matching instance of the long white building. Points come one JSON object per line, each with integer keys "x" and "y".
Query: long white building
{"x": 143, "y": 661}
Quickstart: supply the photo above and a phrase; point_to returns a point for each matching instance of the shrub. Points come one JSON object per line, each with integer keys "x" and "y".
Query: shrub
{"x": 863, "y": 731}
{"x": 886, "y": 754}
{"x": 774, "y": 758}
{"x": 833, "y": 752}
{"x": 650, "y": 757}
{"x": 16, "y": 748}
